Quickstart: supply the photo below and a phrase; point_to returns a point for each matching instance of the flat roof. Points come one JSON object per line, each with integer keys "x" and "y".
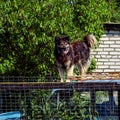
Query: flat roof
{"x": 112, "y": 26}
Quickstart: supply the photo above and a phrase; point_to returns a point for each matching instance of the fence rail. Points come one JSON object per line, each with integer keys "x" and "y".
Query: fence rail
{"x": 83, "y": 85}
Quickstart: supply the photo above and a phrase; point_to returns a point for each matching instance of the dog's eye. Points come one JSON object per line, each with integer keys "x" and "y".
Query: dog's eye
{"x": 58, "y": 43}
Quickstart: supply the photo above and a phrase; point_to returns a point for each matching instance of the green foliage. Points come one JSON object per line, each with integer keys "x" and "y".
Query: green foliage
{"x": 115, "y": 11}
{"x": 76, "y": 107}
{"x": 90, "y": 15}
{"x": 28, "y": 28}
{"x": 93, "y": 65}
{"x": 27, "y": 35}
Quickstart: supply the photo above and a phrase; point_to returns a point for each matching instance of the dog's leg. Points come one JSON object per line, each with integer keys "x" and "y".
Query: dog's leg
{"x": 83, "y": 70}
{"x": 61, "y": 73}
{"x": 85, "y": 67}
{"x": 70, "y": 73}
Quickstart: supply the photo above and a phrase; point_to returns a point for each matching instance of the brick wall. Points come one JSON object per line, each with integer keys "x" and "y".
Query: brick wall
{"x": 108, "y": 52}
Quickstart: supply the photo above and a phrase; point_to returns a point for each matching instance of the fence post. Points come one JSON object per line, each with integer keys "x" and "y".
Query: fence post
{"x": 93, "y": 102}
{"x": 118, "y": 104}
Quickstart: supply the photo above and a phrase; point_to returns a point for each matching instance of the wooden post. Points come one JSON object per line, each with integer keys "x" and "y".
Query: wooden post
{"x": 93, "y": 102}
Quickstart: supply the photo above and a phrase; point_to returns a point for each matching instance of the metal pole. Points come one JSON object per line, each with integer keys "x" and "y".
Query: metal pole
{"x": 93, "y": 102}
{"x": 118, "y": 104}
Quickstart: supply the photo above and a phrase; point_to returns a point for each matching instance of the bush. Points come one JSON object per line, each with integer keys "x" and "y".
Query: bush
{"x": 40, "y": 106}
{"x": 28, "y": 28}
{"x": 115, "y": 11}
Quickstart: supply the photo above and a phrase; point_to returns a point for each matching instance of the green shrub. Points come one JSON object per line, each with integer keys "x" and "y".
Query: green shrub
{"x": 93, "y": 65}
{"x": 28, "y": 28}
{"x": 40, "y": 106}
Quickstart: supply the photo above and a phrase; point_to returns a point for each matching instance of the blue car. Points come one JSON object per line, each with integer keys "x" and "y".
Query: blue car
{"x": 14, "y": 115}
{"x": 107, "y": 109}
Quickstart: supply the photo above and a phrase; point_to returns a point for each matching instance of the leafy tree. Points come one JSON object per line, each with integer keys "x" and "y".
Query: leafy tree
{"x": 115, "y": 11}
{"x": 90, "y": 15}
{"x": 27, "y": 31}
{"x": 28, "y": 28}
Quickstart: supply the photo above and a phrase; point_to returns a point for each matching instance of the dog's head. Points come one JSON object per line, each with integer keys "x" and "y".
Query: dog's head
{"x": 62, "y": 44}
{"x": 90, "y": 40}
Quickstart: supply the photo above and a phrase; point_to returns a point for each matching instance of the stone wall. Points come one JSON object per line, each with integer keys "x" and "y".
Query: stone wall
{"x": 108, "y": 52}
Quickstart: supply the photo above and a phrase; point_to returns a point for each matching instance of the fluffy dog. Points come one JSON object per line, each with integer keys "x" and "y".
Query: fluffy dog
{"x": 68, "y": 55}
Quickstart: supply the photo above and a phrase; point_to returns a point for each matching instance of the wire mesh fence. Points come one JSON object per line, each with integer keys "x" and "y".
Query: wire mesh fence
{"x": 30, "y": 99}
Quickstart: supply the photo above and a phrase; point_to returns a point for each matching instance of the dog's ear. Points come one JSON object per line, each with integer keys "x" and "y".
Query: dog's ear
{"x": 67, "y": 38}
{"x": 57, "y": 39}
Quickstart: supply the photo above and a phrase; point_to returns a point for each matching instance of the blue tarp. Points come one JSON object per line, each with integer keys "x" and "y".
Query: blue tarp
{"x": 15, "y": 115}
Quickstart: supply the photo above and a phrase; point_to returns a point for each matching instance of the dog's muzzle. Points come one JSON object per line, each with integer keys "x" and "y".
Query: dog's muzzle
{"x": 63, "y": 50}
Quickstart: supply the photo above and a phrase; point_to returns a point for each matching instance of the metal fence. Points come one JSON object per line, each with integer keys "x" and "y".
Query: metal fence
{"x": 84, "y": 100}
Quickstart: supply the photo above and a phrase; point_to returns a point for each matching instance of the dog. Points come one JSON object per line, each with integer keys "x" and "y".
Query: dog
{"x": 68, "y": 55}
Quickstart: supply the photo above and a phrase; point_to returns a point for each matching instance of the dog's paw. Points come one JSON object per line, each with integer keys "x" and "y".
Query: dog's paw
{"x": 68, "y": 80}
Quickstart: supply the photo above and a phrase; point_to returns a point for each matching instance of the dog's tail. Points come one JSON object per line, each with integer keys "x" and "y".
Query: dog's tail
{"x": 90, "y": 40}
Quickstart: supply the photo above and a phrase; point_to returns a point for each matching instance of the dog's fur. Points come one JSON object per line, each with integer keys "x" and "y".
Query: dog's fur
{"x": 68, "y": 55}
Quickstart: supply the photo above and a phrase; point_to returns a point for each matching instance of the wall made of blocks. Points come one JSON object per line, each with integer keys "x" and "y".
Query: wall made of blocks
{"x": 108, "y": 52}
